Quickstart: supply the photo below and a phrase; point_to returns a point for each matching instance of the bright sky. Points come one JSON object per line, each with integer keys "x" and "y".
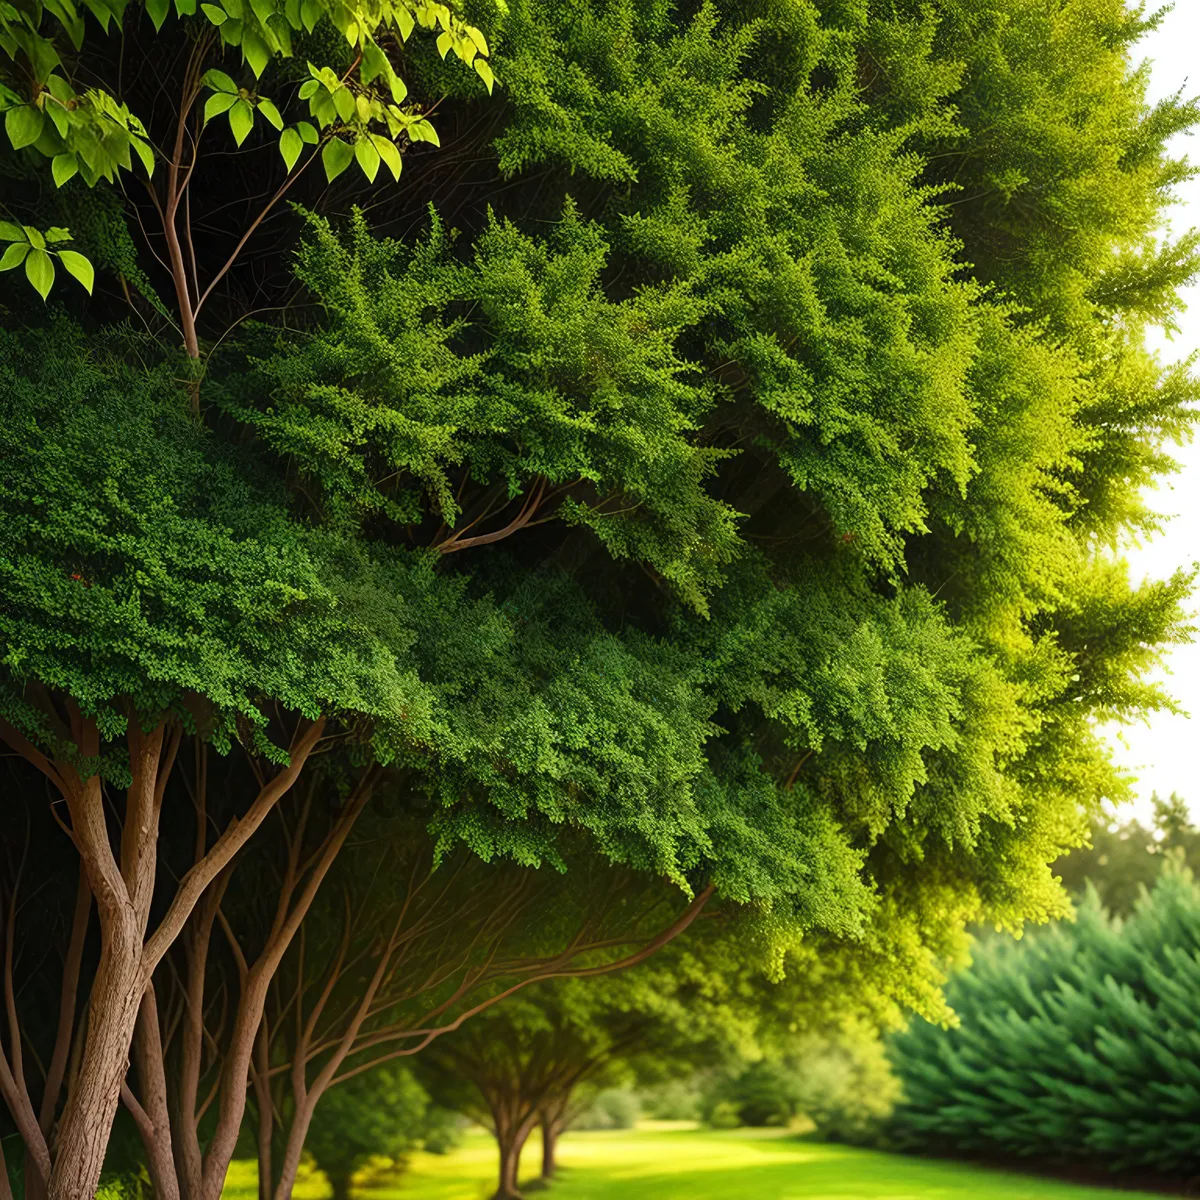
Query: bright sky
{"x": 1163, "y": 753}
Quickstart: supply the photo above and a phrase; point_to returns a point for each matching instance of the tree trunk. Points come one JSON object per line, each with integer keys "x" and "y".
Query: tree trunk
{"x": 511, "y": 1140}
{"x": 339, "y": 1181}
{"x": 550, "y": 1132}
{"x": 92, "y": 1104}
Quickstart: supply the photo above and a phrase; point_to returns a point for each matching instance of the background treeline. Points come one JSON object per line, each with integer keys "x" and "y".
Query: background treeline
{"x": 667, "y": 528}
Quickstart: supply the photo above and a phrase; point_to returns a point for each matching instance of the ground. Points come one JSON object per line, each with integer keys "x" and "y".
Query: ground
{"x": 705, "y": 1165}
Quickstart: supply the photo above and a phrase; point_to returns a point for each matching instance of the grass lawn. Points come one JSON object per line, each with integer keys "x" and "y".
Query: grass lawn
{"x": 704, "y": 1165}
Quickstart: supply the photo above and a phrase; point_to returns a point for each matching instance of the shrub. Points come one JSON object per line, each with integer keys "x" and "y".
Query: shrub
{"x": 1080, "y": 1043}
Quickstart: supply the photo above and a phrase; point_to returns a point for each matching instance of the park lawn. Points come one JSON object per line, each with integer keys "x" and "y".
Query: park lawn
{"x": 706, "y": 1165}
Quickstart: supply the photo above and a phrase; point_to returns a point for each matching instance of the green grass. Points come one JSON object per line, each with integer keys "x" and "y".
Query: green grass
{"x": 704, "y": 1165}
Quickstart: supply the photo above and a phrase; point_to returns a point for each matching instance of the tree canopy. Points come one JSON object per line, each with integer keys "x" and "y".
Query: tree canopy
{"x": 703, "y": 462}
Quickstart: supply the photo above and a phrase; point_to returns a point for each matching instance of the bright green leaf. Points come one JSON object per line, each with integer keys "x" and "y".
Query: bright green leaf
{"x": 23, "y": 125}
{"x": 389, "y": 152}
{"x": 13, "y": 256}
{"x": 39, "y": 270}
{"x": 336, "y": 157}
{"x": 220, "y": 82}
{"x": 218, "y": 16}
{"x": 343, "y": 101}
{"x": 484, "y": 71}
{"x": 290, "y": 145}
{"x": 368, "y": 158}
{"x": 308, "y": 88}
{"x": 78, "y": 266}
{"x": 268, "y": 110}
{"x": 218, "y": 103}
{"x": 444, "y": 43}
{"x": 146, "y": 153}
{"x": 56, "y": 233}
{"x": 308, "y": 133}
{"x": 157, "y": 11}
{"x": 63, "y": 168}
{"x": 12, "y": 233}
{"x": 35, "y": 237}
{"x": 241, "y": 120}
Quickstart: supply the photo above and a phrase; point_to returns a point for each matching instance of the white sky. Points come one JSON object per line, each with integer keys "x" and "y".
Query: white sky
{"x": 1162, "y": 752}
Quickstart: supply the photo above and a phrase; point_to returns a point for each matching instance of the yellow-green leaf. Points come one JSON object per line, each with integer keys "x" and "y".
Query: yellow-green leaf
{"x": 63, "y": 167}
{"x": 290, "y": 145}
{"x": 12, "y": 233}
{"x": 268, "y": 110}
{"x": 218, "y": 103}
{"x": 39, "y": 270}
{"x": 443, "y": 43}
{"x": 336, "y": 157}
{"x": 241, "y": 120}
{"x": 484, "y": 71}
{"x": 78, "y": 266}
{"x": 389, "y": 152}
{"x": 13, "y": 256}
{"x": 368, "y": 158}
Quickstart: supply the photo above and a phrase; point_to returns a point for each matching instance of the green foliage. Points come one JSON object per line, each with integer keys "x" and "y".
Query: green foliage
{"x": 382, "y": 1112}
{"x": 1075, "y": 1045}
{"x": 94, "y": 134}
{"x": 610, "y": 1108}
{"x": 1122, "y": 859}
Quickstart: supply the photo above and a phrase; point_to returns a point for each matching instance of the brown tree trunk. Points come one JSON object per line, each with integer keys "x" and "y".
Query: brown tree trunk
{"x": 92, "y": 1104}
{"x": 550, "y": 1132}
{"x": 511, "y": 1136}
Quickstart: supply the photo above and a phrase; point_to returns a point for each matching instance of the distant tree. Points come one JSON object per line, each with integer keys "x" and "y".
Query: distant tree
{"x": 382, "y": 1112}
{"x": 1125, "y": 857}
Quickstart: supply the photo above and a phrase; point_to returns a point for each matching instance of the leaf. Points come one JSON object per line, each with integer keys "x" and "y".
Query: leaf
{"x": 308, "y": 88}
{"x": 290, "y": 145}
{"x": 220, "y": 82}
{"x": 12, "y": 233}
{"x": 484, "y": 71}
{"x": 35, "y": 237}
{"x": 39, "y": 270}
{"x": 63, "y": 168}
{"x": 389, "y": 152}
{"x": 157, "y": 10}
{"x": 422, "y": 131}
{"x": 343, "y": 101}
{"x": 374, "y": 63}
{"x": 23, "y": 125}
{"x": 368, "y": 158}
{"x": 311, "y": 12}
{"x": 13, "y": 256}
{"x": 363, "y": 107}
{"x": 218, "y": 16}
{"x": 308, "y": 133}
{"x": 234, "y": 8}
{"x": 444, "y": 43}
{"x": 56, "y": 233}
{"x": 404, "y": 22}
{"x": 79, "y": 266}
{"x": 145, "y": 153}
{"x": 185, "y": 8}
{"x": 218, "y": 103}
{"x": 241, "y": 120}
{"x": 477, "y": 37}
{"x": 255, "y": 53}
{"x": 268, "y": 110}
{"x": 336, "y": 157}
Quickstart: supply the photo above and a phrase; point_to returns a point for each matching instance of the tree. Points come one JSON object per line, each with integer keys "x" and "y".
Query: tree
{"x": 695, "y": 504}
{"x": 1076, "y": 1045}
{"x": 380, "y": 1113}
{"x": 1124, "y": 858}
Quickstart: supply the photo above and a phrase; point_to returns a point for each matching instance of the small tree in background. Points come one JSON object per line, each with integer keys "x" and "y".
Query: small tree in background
{"x": 1125, "y": 857}
{"x": 384, "y": 1112}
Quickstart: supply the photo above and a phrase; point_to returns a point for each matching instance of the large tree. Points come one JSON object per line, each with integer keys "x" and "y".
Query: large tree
{"x": 676, "y": 487}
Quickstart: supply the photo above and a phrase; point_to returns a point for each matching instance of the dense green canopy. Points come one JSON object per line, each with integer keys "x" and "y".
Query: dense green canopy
{"x": 710, "y": 452}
